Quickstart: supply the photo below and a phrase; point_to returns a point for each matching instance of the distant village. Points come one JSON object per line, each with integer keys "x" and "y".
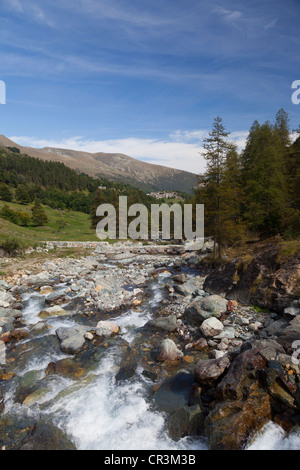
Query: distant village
{"x": 165, "y": 195}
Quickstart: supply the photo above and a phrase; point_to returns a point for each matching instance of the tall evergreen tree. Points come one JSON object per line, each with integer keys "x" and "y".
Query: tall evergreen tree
{"x": 5, "y": 193}
{"x": 264, "y": 179}
{"x": 38, "y": 216}
{"x": 215, "y": 151}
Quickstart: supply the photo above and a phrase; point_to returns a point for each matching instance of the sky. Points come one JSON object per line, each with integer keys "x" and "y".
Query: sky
{"x": 145, "y": 78}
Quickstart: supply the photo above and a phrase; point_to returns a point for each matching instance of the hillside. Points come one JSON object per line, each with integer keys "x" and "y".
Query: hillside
{"x": 114, "y": 166}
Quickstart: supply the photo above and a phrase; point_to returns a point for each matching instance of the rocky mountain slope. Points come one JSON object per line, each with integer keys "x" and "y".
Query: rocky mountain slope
{"x": 114, "y": 166}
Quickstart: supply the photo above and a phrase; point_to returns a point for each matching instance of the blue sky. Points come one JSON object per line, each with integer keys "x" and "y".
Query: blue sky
{"x": 145, "y": 78}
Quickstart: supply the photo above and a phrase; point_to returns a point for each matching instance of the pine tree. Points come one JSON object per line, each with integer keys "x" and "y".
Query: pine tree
{"x": 38, "y": 216}
{"x": 22, "y": 194}
{"x": 264, "y": 179}
{"x": 233, "y": 228}
{"x": 215, "y": 151}
{"x": 5, "y": 193}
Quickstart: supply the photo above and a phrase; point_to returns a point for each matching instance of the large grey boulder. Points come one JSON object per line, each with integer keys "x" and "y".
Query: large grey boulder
{"x": 200, "y": 310}
{"x": 72, "y": 339}
{"x": 163, "y": 323}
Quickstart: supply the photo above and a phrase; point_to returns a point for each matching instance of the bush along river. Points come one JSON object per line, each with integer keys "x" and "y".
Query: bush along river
{"x": 131, "y": 352}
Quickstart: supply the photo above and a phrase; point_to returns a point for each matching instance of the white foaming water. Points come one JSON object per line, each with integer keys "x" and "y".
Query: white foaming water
{"x": 131, "y": 320}
{"x": 107, "y": 416}
{"x": 96, "y": 411}
{"x": 273, "y": 437}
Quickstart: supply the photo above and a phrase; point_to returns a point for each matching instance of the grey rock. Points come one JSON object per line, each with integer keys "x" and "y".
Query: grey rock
{"x": 174, "y": 394}
{"x": 187, "y": 421}
{"x": 207, "y": 372}
{"x": 211, "y": 327}
{"x": 200, "y": 310}
{"x": 163, "y": 323}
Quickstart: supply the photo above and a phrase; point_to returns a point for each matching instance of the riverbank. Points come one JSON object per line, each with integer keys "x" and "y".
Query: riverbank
{"x": 136, "y": 346}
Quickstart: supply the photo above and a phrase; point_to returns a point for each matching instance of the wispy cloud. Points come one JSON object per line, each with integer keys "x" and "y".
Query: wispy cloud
{"x": 229, "y": 16}
{"x": 32, "y": 11}
{"x": 271, "y": 24}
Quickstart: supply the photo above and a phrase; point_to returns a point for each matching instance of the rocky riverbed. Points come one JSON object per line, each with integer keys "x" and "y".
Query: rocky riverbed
{"x": 132, "y": 352}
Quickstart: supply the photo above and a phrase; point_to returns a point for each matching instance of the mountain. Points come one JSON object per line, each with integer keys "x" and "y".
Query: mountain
{"x": 114, "y": 166}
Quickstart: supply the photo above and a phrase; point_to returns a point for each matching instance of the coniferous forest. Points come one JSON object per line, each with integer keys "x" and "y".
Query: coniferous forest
{"x": 255, "y": 192}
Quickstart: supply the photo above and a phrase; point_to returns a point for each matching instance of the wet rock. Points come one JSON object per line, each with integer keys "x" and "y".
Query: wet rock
{"x": 126, "y": 372}
{"x": 104, "y": 332}
{"x": 15, "y": 431}
{"x": 46, "y": 290}
{"x": 181, "y": 278}
{"x": 187, "y": 421}
{"x": 163, "y": 323}
{"x": 174, "y": 393}
{"x": 72, "y": 339}
{"x": 19, "y": 333}
{"x": 211, "y": 327}
{"x": 55, "y": 311}
{"x": 200, "y": 310}
{"x": 72, "y": 345}
{"x": 57, "y": 297}
{"x": 230, "y": 424}
{"x": 107, "y": 325}
{"x": 26, "y": 384}
{"x": 67, "y": 367}
{"x": 168, "y": 351}
{"x": 209, "y": 371}
{"x": 46, "y": 436}
{"x": 40, "y": 327}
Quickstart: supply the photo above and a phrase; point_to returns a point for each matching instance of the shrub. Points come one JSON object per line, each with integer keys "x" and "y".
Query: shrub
{"x": 11, "y": 245}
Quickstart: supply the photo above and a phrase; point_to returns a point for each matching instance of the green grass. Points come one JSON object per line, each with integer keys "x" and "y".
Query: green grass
{"x": 76, "y": 228}
{"x": 287, "y": 250}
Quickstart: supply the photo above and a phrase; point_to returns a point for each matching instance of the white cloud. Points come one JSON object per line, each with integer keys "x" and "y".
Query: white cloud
{"x": 229, "y": 16}
{"x": 180, "y": 155}
{"x": 31, "y": 9}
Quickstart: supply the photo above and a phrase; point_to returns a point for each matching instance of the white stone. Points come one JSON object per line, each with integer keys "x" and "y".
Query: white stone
{"x": 211, "y": 327}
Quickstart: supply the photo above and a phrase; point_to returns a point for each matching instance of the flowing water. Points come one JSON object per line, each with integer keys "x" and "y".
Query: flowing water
{"x": 96, "y": 411}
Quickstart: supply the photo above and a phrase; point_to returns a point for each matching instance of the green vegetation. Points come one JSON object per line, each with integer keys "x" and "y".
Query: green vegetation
{"x": 62, "y": 225}
{"x": 254, "y": 194}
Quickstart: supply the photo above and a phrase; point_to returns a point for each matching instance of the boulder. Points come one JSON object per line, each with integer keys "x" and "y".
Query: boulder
{"x": 207, "y": 372}
{"x": 187, "y": 421}
{"x": 72, "y": 345}
{"x": 72, "y": 339}
{"x": 174, "y": 393}
{"x": 163, "y": 323}
{"x": 168, "y": 351}
{"x": 46, "y": 436}
{"x": 289, "y": 335}
{"x": 230, "y": 424}
{"x": 55, "y": 311}
{"x": 211, "y": 327}
{"x": 181, "y": 278}
{"x": 108, "y": 325}
{"x": 200, "y": 310}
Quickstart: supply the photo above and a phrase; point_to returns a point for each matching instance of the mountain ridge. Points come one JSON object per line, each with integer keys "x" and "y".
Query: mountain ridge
{"x": 114, "y": 166}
